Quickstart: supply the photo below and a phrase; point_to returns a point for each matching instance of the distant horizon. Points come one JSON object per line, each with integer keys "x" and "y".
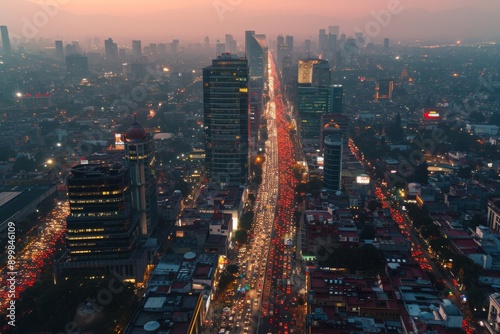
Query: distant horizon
{"x": 160, "y": 21}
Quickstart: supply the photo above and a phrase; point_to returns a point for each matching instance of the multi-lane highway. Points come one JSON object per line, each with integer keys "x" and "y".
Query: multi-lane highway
{"x": 35, "y": 254}
{"x": 264, "y": 299}
{"x": 278, "y": 299}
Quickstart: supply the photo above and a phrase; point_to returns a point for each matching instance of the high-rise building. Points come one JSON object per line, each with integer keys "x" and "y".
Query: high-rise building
{"x": 230, "y": 44}
{"x": 316, "y": 97}
{"x": 256, "y": 50}
{"x": 137, "y": 50}
{"x": 111, "y": 49}
{"x": 226, "y": 120}
{"x": 322, "y": 41}
{"x": 314, "y": 72}
{"x": 59, "y": 50}
{"x": 313, "y": 102}
{"x": 307, "y": 46}
{"x": 76, "y": 47}
{"x": 285, "y": 51}
{"x": 337, "y": 99}
{"x": 7, "y": 51}
{"x": 77, "y": 65}
{"x": 100, "y": 224}
{"x": 139, "y": 160}
{"x": 280, "y": 40}
{"x": 102, "y": 236}
{"x": 328, "y": 119}
{"x": 332, "y": 47}
{"x": 280, "y": 52}
{"x": 360, "y": 38}
{"x": 175, "y": 46}
{"x": 69, "y": 49}
{"x": 332, "y": 163}
{"x": 153, "y": 49}
{"x": 220, "y": 48}
{"x": 162, "y": 49}
{"x": 289, "y": 45}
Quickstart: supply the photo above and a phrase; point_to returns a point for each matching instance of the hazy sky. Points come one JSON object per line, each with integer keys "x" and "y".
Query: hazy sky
{"x": 163, "y": 20}
{"x": 353, "y": 8}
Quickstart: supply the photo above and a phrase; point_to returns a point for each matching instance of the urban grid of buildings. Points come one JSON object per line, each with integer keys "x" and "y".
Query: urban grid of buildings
{"x": 156, "y": 183}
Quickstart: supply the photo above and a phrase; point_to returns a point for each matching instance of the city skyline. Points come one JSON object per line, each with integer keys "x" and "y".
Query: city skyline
{"x": 156, "y": 21}
{"x": 245, "y": 167}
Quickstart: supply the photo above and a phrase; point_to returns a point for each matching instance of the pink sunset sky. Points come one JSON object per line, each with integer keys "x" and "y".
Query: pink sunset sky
{"x": 353, "y": 8}
{"x": 163, "y": 20}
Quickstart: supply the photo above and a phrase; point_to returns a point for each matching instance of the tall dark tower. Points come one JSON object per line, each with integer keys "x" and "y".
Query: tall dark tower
{"x": 226, "y": 105}
{"x": 111, "y": 49}
{"x": 332, "y": 170}
{"x": 256, "y": 50}
{"x": 100, "y": 225}
{"x": 7, "y": 51}
{"x": 137, "y": 50}
{"x": 59, "y": 50}
{"x": 337, "y": 99}
{"x": 139, "y": 160}
{"x": 315, "y": 96}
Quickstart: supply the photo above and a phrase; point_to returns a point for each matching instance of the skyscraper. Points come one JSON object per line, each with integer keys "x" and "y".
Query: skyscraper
{"x": 289, "y": 45}
{"x": 329, "y": 119}
{"x": 103, "y": 233}
{"x": 59, "y": 50}
{"x": 280, "y": 52}
{"x": 307, "y": 46}
{"x": 220, "y": 48}
{"x": 337, "y": 99}
{"x": 7, "y": 51}
{"x": 100, "y": 224}
{"x": 174, "y": 47}
{"x": 137, "y": 50}
{"x": 313, "y": 102}
{"x": 230, "y": 44}
{"x": 139, "y": 160}
{"x": 153, "y": 49}
{"x": 332, "y": 169}
{"x": 162, "y": 49}
{"x": 111, "y": 49}
{"x": 316, "y": 97}
{"x": 256, "y": 52}
{"x": 226, "y": 120}
{"x": 313, "y": 72}
{"x": 322, "y": 41}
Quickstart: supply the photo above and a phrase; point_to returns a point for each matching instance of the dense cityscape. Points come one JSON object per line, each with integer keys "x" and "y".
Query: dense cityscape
{"x": 250, "y": 182}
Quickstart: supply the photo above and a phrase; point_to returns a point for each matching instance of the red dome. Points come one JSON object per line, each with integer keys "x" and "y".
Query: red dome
{"x": 136, "y": 131}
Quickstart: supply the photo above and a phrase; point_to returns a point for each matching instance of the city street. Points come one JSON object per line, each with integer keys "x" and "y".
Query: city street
{"x": 39, "y": 252}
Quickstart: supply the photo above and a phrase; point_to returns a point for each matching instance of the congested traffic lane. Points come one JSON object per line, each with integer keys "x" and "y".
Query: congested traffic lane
{"x": 243, "y": 314}
{"x": 278, "y": 301}
{"x": 37, "y": 253}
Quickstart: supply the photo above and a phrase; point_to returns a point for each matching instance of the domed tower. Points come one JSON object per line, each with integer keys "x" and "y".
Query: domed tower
{"x": 332, "y": 146}
{"x": 139, "y": 160}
